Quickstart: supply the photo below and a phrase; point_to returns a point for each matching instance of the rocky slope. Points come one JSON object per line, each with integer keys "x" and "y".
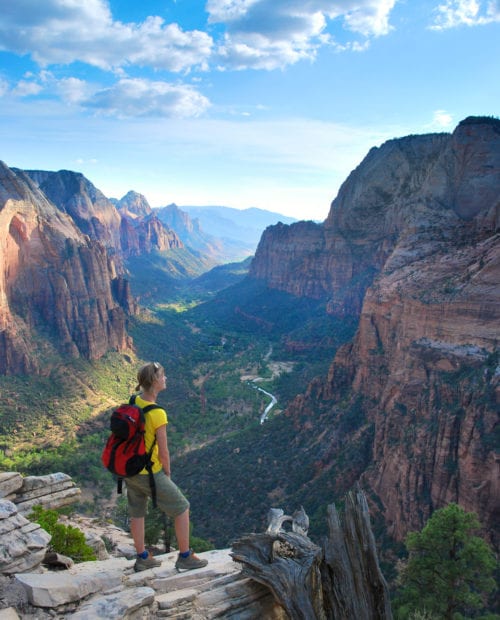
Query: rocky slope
{"x": 411, "y": 245}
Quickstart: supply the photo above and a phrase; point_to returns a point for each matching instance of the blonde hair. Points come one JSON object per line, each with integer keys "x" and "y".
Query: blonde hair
{"x": 147, "y": 374}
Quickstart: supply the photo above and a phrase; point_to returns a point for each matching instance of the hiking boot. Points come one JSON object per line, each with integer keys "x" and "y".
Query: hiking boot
{"x": 191, "y": 562}
{"x": 145, "y": 563}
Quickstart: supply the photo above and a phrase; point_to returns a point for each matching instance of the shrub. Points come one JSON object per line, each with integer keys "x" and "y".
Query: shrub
{"x": 66, "y": 539}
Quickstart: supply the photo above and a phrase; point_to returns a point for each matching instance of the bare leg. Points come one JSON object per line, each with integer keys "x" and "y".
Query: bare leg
{"x": 137, "y": 531}
{"x": 181, "y": 525}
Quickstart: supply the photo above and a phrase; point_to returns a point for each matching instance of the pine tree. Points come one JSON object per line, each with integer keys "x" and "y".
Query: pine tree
{"x": 449, "y": 570}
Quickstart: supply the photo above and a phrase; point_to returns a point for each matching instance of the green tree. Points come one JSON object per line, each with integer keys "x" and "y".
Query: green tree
{"x": 449, "y": 569}
{"x": 66, "y": 539}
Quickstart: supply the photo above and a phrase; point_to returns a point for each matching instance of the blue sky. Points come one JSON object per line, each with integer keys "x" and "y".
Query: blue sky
{"x": 240, "y": 103}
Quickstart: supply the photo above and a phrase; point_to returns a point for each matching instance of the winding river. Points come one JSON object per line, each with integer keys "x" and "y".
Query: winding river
{"x": 273, "y": 398}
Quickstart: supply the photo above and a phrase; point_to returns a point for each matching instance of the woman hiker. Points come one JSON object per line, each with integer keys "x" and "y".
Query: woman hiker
{"x": 152, "y": 380}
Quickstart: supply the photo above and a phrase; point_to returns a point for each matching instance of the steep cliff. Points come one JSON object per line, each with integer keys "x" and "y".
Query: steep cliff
{"x": 129, "y": 230}
{"x": 54, "y": 279}
{"x": 90, "y": 210}
{"x": 146, "y": 234}
{"x": 415, "y": 230}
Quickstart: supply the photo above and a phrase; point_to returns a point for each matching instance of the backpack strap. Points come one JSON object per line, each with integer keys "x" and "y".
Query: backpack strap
{"x": 145, "y": 410}
{"x": 149, "y": 466}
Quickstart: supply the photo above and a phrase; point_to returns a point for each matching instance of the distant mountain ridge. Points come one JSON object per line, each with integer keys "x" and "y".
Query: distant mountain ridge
{"x": 242, "y": 225}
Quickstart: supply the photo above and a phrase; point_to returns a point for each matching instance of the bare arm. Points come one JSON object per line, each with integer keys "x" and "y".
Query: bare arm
{"x": 163, "y": 452}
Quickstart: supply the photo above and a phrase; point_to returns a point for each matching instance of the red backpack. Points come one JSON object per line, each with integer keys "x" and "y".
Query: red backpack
{"x": 125, "y": 453}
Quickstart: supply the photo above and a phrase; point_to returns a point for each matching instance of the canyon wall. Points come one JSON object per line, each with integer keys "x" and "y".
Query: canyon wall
{"x": 53, "y": 278}
{"x": 415, "y": 228}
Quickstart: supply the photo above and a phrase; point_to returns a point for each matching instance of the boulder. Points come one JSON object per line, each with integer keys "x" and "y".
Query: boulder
{"x": 53, "y": 589}
{"x": 22, "y": 543}
{"x": 10, "y": 482}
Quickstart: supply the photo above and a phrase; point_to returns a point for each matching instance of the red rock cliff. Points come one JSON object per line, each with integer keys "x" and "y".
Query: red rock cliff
{"x": 422, "y": 213}
{"x": 53, "y": 276}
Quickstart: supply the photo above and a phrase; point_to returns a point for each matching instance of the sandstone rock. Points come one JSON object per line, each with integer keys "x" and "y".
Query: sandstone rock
{"x": 50, "y": 491}
{"x": 410, "y": 192}
{"x": 96, "y": 543}
{"x": 22, "y": 543}
{"x": 118, "y": 605}
{"x": 145, "y": 235}
{"x": 59, "y": 588}
{"x": 10, "y": 482}
{"x": 129, "y": 232}
{"x": 54, "y": 275}
{"x": 9, "y": 613}
{"x": 57, "y": 561}
{"x": 72, "y": 193}
{"x": 110, "y": 589}
{"x": 133, "y": 205}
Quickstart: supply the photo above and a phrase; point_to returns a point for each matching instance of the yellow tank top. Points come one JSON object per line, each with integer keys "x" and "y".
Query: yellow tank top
{"x": 154, "y": 419}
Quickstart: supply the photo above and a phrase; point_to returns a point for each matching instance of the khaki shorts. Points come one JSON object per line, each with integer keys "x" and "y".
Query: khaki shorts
{"x": 169, "y": 497}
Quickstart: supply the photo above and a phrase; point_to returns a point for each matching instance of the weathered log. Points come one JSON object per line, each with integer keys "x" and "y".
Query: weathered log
{"x": 353, "y": 584}
{"x": 341, "y": 581}
{"x": 290, "y": 566}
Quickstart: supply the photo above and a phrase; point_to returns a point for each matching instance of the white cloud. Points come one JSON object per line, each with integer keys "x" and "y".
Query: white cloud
{"x": 126, "y": 98}
{"x": 455, "y": 13}
{"x": 145, "y": 98}
{"x": 268, "y": 34}
{"x": 82, "y": 161}
{"x": 442, "y": 120}
{"x": 258, "y": 33}
{"x": 26, "y": 89}
{"x": 371, "y": 19}
{"x": 73, "y": 90}
{"x": 65, "y": 31}
{"x": 257, "y": 52}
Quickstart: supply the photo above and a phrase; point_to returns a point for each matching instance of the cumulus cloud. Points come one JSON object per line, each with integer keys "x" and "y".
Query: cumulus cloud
{"x": 25, "y": 88}
{"x": 455, "y": 13}
{"x": 128, "y": 97}
{"x": 268, "y": 34}
{"x": 264, "y": 34}
{"x": 73, "y": 90}
{"x": 65, "y": 31}
{"x": 145, "y": 98}
{"x": 442, "y": 119}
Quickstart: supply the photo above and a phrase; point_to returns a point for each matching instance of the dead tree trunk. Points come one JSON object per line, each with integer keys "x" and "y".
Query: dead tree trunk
{"x": 341, "y": 581}
{"x": 356, "y": 587}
